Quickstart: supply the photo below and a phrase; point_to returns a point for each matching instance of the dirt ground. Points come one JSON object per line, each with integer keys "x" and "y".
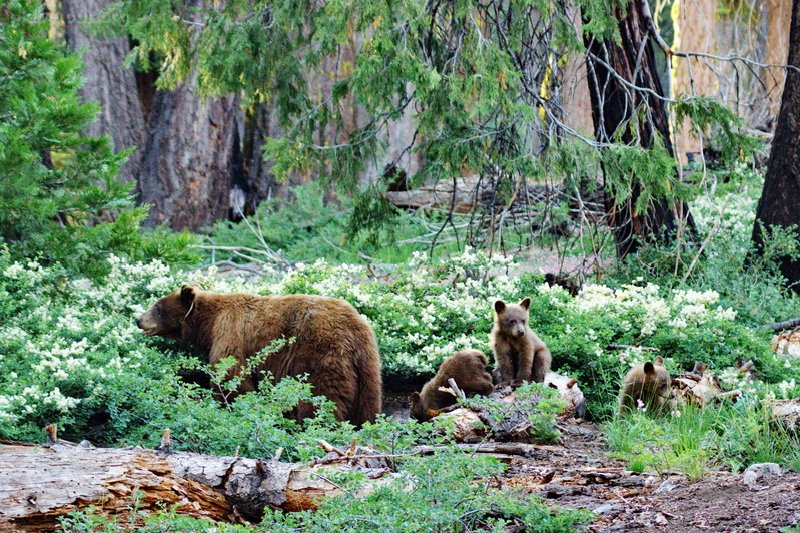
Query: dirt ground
{"x": 577, "y": 473}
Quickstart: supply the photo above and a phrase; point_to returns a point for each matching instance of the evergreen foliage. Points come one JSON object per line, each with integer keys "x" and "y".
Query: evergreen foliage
{"x": 480, "y": 79}
{"x": 57, "y": 186}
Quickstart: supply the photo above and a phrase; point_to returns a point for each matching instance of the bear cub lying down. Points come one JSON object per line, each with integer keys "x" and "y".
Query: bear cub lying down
{"x": 332, "y": 343}
{"x": 467, "y": 368}
{"x": 649, "y": 383}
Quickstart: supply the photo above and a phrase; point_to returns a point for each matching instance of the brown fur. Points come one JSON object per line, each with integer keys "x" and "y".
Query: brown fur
{"x": 332, "y": 343}
{"x": 650, "y": 383}
{"x": 467, "y": 368}
{"x": 519, "y": 355}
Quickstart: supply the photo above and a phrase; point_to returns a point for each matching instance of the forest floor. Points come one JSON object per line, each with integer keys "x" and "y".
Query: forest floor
{"x": 578, "y": 473}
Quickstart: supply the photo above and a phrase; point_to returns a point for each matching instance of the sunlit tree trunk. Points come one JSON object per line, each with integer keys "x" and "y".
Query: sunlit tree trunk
{"x": 779, "y": 204}
{"x": 575, "y": 100}
{"x": 695, "y": 30}
{"x": 612, "y": 69}
{"x": 779, "y": 17}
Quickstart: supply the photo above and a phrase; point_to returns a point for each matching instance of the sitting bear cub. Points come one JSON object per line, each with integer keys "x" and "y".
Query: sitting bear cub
{"x": 467, "y": 368}
{"x": 331, "y": 343}
{"x": 519, "y": 354}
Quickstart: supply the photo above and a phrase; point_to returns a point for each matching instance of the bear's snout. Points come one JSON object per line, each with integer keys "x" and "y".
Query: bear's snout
{"x": 147, "y": 324}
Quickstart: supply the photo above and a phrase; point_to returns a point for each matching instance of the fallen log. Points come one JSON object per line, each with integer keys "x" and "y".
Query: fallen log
{"x": 787, "y": 413}
{"x": 782, "y": 326}
{"x": 787, "y": 343}
{"x": 40, "y": 484}
{"x": 442, "y": 195}
{"x": 702, "y": 388}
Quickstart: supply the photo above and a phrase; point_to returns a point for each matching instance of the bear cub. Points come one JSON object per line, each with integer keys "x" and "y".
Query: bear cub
{"x": 649, "y": 383}
{"x": 468, "y": 369}
{"x": 519, "y": 354}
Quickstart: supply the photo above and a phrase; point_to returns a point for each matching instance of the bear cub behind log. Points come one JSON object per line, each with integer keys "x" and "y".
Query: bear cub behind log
{"x": 325, "y": 338}
{"x": 468, "y": 369}
{"x": 519, "y": 354}
{"x": 649, "y": 383}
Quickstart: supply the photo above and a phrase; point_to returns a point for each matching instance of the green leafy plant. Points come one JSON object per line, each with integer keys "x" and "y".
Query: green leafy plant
{"x": 60, "y": 199}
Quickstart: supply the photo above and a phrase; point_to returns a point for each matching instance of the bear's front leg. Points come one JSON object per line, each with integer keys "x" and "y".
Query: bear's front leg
{"x": 524, "y": 367}
{"x": 541, "y": 364}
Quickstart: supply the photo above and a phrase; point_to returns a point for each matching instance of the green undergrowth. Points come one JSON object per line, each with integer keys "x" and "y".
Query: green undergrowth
{"x": 309, "y": 225}
{"x": 446, "y": 492}
{"x": 693, "y": 441}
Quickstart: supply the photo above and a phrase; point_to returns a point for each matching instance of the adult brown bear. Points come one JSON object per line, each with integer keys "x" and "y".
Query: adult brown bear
{"x": 331, "y": 343}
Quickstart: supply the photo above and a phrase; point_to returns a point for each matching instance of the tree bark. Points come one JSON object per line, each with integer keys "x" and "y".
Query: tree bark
{"x": 260, "y": 122}
{"x": 38, "y": 485}
{"x": 779, "y": 17}
{"x": 186, "y": 163}
{"x": 573, "y": 84}
{"x": 614, "y": 104}
{"x": 695, "y": 30}
{"x": 778, "y": 205}
{"x": 108, "y": 82}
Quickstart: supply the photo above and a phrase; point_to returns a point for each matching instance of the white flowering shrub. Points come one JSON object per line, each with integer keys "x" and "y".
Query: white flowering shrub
{"x": 70, "y": 351}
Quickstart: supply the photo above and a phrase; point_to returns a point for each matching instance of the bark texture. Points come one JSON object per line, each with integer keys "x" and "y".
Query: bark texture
{"x": 779, "y": 18}
{"x": 695, "y": 27}
{"x": 186, "y": 162}
{"x": 778, "y": 205}
{"x": 614, "y": 104}
{"x": 38, "y": 485}
{"x": 574, "y": 87}
{"x": 108, "y": 82}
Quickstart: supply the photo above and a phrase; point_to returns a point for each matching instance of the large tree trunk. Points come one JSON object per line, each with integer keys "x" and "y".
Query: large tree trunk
{"x": 614, "y": 104}
{"x": 695, "y": 30}
{"x": 38, "y": 485}
{"x": 108, "y": 82}
{"x": 186, "y": 163}
{"x": 779, "y": 17}
{"x": 574, "y": 88}
{"x": 778, "y": 205}
{"x": 260, "y": 122}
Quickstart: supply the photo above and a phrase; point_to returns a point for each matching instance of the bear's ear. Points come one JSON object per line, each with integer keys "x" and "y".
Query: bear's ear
{"x": 416, "y": 399}
{"x": 649, "y": 369}
{"x": 660, "y": 360}
{"x": 499, "y": 306}
{"x": 525, "y": 304}
{"x": 188, "y": 294}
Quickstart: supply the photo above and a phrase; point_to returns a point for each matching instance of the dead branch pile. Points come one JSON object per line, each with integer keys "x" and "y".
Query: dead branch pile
{"x": 530, "y": 204}
{"x": 506, "y": 418}
{"x": 787, "y": 342}
{"x": 701, "y": 388}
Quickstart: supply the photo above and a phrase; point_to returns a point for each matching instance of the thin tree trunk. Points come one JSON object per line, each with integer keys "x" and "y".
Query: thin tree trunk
{"x": 778, "y": 205}
{"x": 186, "y": 163}
{"x": 108, "y": 82}
{"x": 614, "y": 104}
